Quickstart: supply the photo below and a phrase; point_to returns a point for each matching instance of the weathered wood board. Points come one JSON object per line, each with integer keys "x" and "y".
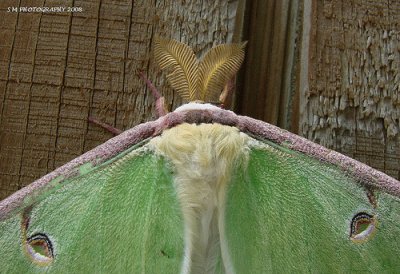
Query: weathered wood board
{"x": 57, "y": 69}
{"x": 267, "y": 86}
{"x": 350, "y": 79}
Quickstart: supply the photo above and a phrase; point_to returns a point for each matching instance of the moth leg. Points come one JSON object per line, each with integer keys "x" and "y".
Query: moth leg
{"x": 225, "y": 98}
{"x": 160, "y": 108}
{"x": 160, "y": 101}
{"x": 107, "y": 127}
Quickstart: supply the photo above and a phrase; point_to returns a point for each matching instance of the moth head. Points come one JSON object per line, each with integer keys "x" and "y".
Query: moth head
{"x": 194, "y": 79}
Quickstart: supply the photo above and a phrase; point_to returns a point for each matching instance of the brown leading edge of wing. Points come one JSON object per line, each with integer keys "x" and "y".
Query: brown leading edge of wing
{"x": 364, "y": 174}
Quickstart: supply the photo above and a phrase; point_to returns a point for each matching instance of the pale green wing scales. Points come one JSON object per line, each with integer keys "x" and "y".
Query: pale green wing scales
{"x": 122, "y": 216}
{"x": 288, "y": 212}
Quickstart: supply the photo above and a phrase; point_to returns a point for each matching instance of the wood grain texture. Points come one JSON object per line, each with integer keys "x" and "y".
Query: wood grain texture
{"x": 350, "y": 79}
{"x": 57, "y": 69}
{"x": 268, "y": 82}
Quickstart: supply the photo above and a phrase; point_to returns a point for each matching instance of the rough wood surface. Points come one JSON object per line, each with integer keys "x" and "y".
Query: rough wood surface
{"x": 57, "y": 69}
{"x": 350, "y": 79}
{"x": 267, "y": 85}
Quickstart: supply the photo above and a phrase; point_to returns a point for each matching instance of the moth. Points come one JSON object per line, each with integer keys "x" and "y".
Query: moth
{"x": 203, "y": 190}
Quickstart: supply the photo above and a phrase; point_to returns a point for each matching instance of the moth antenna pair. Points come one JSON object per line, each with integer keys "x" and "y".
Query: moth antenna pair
{"x": 209, "y": 79}
{"x": 198, "y": 80}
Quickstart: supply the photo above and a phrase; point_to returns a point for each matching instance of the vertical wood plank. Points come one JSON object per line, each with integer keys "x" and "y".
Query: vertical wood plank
{"x": 267, "y": 85}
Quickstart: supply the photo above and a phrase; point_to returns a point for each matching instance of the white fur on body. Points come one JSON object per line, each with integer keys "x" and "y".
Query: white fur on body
{"x": 204, "y": 157}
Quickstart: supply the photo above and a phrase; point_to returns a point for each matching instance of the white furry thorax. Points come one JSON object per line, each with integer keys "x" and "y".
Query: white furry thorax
{"x": 197, "y": 106}
{"x": 203, "y": 158}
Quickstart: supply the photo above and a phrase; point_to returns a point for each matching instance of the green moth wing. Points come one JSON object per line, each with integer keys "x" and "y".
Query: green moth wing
{"x": 108, "y": 218}
{"x": 288, "y": 212}
{"x": 222, "y": 194}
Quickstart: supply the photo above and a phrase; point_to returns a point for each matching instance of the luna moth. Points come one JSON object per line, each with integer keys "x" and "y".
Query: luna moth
{"x": 203, "y": 190}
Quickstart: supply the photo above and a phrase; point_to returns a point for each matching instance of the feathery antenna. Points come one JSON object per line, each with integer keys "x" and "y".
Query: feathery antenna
{"x": 198, "y": 80}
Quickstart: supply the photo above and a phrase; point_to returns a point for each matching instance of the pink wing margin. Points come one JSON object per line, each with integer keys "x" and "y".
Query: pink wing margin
{"x": 364, "y": 174}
